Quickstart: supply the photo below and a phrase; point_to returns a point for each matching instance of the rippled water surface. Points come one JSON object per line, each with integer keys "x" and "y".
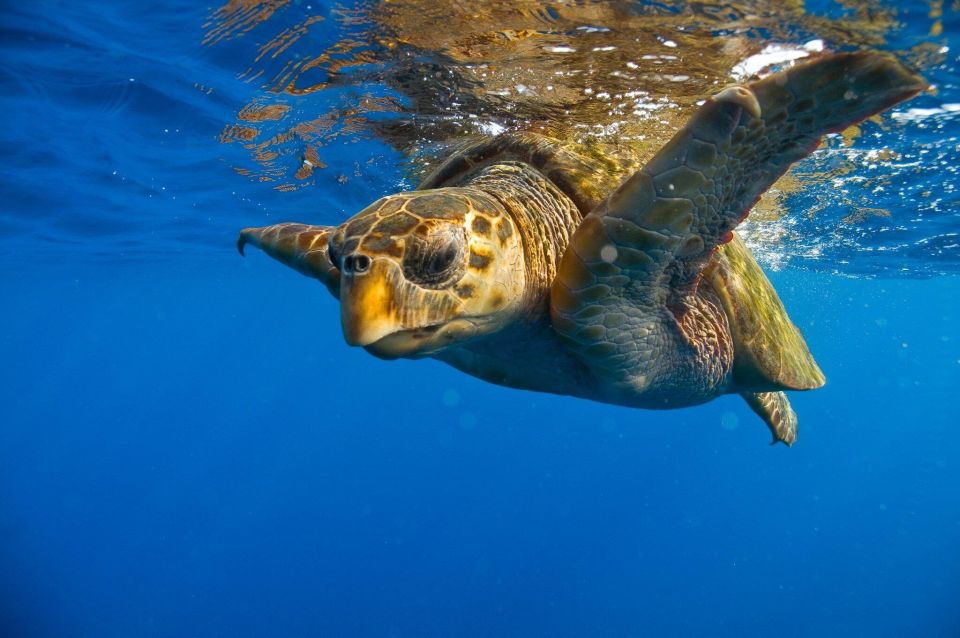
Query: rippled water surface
{"x": 188, "y": 448}
{"x": 322, "y": 108}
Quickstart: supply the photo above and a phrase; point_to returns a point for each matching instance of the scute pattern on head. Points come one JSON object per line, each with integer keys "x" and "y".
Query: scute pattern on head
{"x": 495, "y": 267}
{"x": 386, "y": 227}
{"x": 445, "y": 265}
{"x": 444, "y": 205}
{"x": 539, "y": 215}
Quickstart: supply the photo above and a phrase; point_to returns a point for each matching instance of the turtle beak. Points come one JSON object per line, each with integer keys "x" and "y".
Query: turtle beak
{"x": 368, "y": 303}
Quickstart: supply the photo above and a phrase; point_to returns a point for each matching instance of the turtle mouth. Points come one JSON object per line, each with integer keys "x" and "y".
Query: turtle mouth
{"x": 403, "y": 343}
{"x": 415, "y": 343}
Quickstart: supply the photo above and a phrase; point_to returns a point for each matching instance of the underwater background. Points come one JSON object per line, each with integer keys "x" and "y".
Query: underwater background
{"x": 189, "y": 448}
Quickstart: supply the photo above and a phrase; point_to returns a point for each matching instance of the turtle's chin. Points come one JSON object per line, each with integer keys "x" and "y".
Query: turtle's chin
{"x": 423, "y": 342}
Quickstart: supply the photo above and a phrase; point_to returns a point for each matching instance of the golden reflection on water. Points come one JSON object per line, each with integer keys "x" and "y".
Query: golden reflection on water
{"x": 614, "y": 78}
{"x": 239, "y": 16}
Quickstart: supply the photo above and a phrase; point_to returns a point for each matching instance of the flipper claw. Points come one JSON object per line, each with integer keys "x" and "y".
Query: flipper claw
{"x": 742, "y": 96}
{"x": 241, "y": 242}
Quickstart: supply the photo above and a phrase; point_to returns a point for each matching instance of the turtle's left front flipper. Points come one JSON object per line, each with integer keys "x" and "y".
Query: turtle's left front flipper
{"x": 634, "y": 298}
{"x": 300, "y": 246}
{"x": 660, "y": 227}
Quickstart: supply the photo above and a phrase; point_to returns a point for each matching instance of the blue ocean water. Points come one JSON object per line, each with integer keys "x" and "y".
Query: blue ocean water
{"x": 188, "y": 448}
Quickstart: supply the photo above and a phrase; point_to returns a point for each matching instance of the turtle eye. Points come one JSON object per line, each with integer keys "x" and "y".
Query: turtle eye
{"x": 435, "y": 261}
{"x": 440, "y": 259}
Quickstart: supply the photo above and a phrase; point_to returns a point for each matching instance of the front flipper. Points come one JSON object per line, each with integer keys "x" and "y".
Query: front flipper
{"x": 774, "y": 408}
{"x": 627, "y": 299}
{"x": 657, "y": 231}
{"x": 304, "y": 248}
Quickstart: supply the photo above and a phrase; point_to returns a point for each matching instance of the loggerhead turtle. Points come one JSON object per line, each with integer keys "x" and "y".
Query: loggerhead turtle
{"x": 518, "y": 262}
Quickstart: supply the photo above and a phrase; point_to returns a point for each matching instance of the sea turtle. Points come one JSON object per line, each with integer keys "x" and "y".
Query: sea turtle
{"x": 517, "y": 262}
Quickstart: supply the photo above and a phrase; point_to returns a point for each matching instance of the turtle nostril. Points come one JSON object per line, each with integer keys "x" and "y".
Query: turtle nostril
{"x": 361, "y": 263}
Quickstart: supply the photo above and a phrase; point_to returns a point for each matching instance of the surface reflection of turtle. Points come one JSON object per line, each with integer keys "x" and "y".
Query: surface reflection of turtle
{"x": 518, "y": 262}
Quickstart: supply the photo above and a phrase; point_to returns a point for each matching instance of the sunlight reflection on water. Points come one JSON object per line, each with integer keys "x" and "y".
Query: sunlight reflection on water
{"x": 616, "y": 79}
{"x": 161, "y": 133}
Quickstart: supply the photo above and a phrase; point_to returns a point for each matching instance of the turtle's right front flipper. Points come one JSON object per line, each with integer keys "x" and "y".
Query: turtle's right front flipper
{"x": 302, "y": 247}
{"x": 661, "y": 226}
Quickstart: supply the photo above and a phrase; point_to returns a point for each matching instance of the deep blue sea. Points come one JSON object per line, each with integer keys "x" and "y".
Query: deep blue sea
{"x": 189, "y": 448}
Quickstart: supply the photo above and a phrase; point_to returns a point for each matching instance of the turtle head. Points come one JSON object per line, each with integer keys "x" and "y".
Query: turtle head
{"x": 425, "y": 270}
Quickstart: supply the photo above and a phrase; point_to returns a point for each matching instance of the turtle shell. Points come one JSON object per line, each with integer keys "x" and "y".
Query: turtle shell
{"x": 769, "y": 351}
{"x": 586, "y": 178}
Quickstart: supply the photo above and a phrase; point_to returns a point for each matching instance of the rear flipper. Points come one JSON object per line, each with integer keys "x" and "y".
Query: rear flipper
{"x": 774, "y": 408}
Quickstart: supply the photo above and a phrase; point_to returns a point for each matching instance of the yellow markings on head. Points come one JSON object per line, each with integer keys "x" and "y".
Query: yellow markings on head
{"x": 368, "y": 308}
{"x": 377, "y": 244}
{"x": 480, "y": 260}
{"x": 481, "y": 225}
{"x": 504, "y": 231}
{"x": 394, "y": 308}
{"x": 495, "y": 276}
{"x": 464, "y": 290}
